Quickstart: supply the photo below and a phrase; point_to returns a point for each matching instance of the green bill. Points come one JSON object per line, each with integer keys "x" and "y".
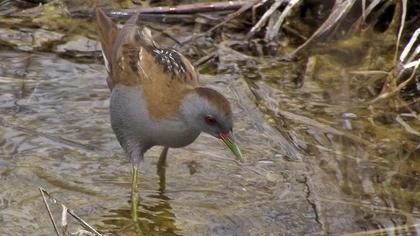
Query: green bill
{"x": 230, "y": 142}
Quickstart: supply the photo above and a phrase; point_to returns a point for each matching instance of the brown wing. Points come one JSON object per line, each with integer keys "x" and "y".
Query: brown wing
{"x": 137, "y": 58}
{"x": 165, "y": 75}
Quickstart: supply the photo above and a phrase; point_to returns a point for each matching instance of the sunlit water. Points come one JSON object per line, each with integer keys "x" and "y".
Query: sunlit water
{"x": 55, "y": 133}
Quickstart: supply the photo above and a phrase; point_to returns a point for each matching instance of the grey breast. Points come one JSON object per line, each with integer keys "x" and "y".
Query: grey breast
{"x": 137, "y": 131}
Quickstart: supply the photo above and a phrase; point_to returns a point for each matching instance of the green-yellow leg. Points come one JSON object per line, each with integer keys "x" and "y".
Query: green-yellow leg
{"x": 134, "y": 196}
{"x": 161, "y": 169}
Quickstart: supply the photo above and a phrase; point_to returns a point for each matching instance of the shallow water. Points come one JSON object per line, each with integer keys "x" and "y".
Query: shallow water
{"x": 55, "y": 133}
{"x": 343, "y": 172}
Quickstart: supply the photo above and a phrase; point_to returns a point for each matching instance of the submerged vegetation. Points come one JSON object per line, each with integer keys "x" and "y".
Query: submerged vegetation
{"x": 338, "y": 80}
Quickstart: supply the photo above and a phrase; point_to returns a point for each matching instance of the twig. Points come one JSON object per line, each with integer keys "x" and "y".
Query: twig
{"x": 385, "y": 231}
{"x": 229, "y": 18}
{"x": 159, "y": 11}
{"x": 64, "y": 215}
{"x": 407, "y": 127}
{"x": 401, "y": 28}
{"x": 270, "y": 35}
{"x": 205, "y": 59}
{"x": 413, "y": 63}
{"x": 368, "y": 72}
{"x": 324, "y": 127}
{"x": 364, "y": 11}
{"x": 254, "y": 10}
{"x": 168, "y": 35}
{"x": 390, "y": 88}
{"x": 235, "y": 14}
{"x": 64, "y": 219}
{"x": 340, "y": 9}
{"x": 384, "y": 95}
{"x": 42, "y": 191}
{"x": 409, "y": 46}
{"x": 372, "y": 6}
{"x": 190, "y": 8}
{"x": 264, "y": 18}
{"x": 375, "y": 16}
{"x": 81, "y": 221}
{"x": 295, "y": 32}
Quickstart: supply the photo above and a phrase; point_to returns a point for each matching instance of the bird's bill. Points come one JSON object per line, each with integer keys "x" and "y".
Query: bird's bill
{"x": 230, "y": 143}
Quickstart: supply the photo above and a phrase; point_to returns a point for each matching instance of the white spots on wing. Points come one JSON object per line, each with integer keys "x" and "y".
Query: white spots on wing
{"x": 166, "y": 55}
{"x": 157, "y": 51}
{"x": 180, "y": 67}
{"x": 171, "y": 60}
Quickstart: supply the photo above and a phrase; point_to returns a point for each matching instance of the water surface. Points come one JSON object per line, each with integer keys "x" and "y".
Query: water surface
{"x": 316, "y": 162}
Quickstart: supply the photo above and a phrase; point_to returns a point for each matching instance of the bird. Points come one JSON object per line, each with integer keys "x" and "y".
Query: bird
{"x": 156, "y": 98}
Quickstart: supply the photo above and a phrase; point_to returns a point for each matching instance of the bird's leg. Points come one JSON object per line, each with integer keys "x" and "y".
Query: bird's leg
{"x": 161, "y": 169}
{"x": 134, "y": 197}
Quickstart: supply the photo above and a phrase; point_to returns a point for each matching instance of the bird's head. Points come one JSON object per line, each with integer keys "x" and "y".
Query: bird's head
{"x": 210, "y": 112}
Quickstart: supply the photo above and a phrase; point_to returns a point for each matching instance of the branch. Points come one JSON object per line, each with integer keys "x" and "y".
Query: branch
{"x": 158, "y": 11}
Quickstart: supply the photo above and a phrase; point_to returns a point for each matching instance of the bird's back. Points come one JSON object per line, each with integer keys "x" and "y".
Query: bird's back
{"x": 134, "y": 59}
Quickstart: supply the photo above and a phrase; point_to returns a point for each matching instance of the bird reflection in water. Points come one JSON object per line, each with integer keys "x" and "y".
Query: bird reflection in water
{"x": 154, "y": 218}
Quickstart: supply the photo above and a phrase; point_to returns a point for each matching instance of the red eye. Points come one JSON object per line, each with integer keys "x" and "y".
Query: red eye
{"x": 210, "y": 120}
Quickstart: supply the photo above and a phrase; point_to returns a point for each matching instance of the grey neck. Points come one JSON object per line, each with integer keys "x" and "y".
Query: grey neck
{"x": 193, "y": 109}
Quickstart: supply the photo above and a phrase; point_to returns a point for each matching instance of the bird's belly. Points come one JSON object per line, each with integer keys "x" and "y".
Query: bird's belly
{"x": 173, "y": 134}
{"x": 133, "y": 125}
